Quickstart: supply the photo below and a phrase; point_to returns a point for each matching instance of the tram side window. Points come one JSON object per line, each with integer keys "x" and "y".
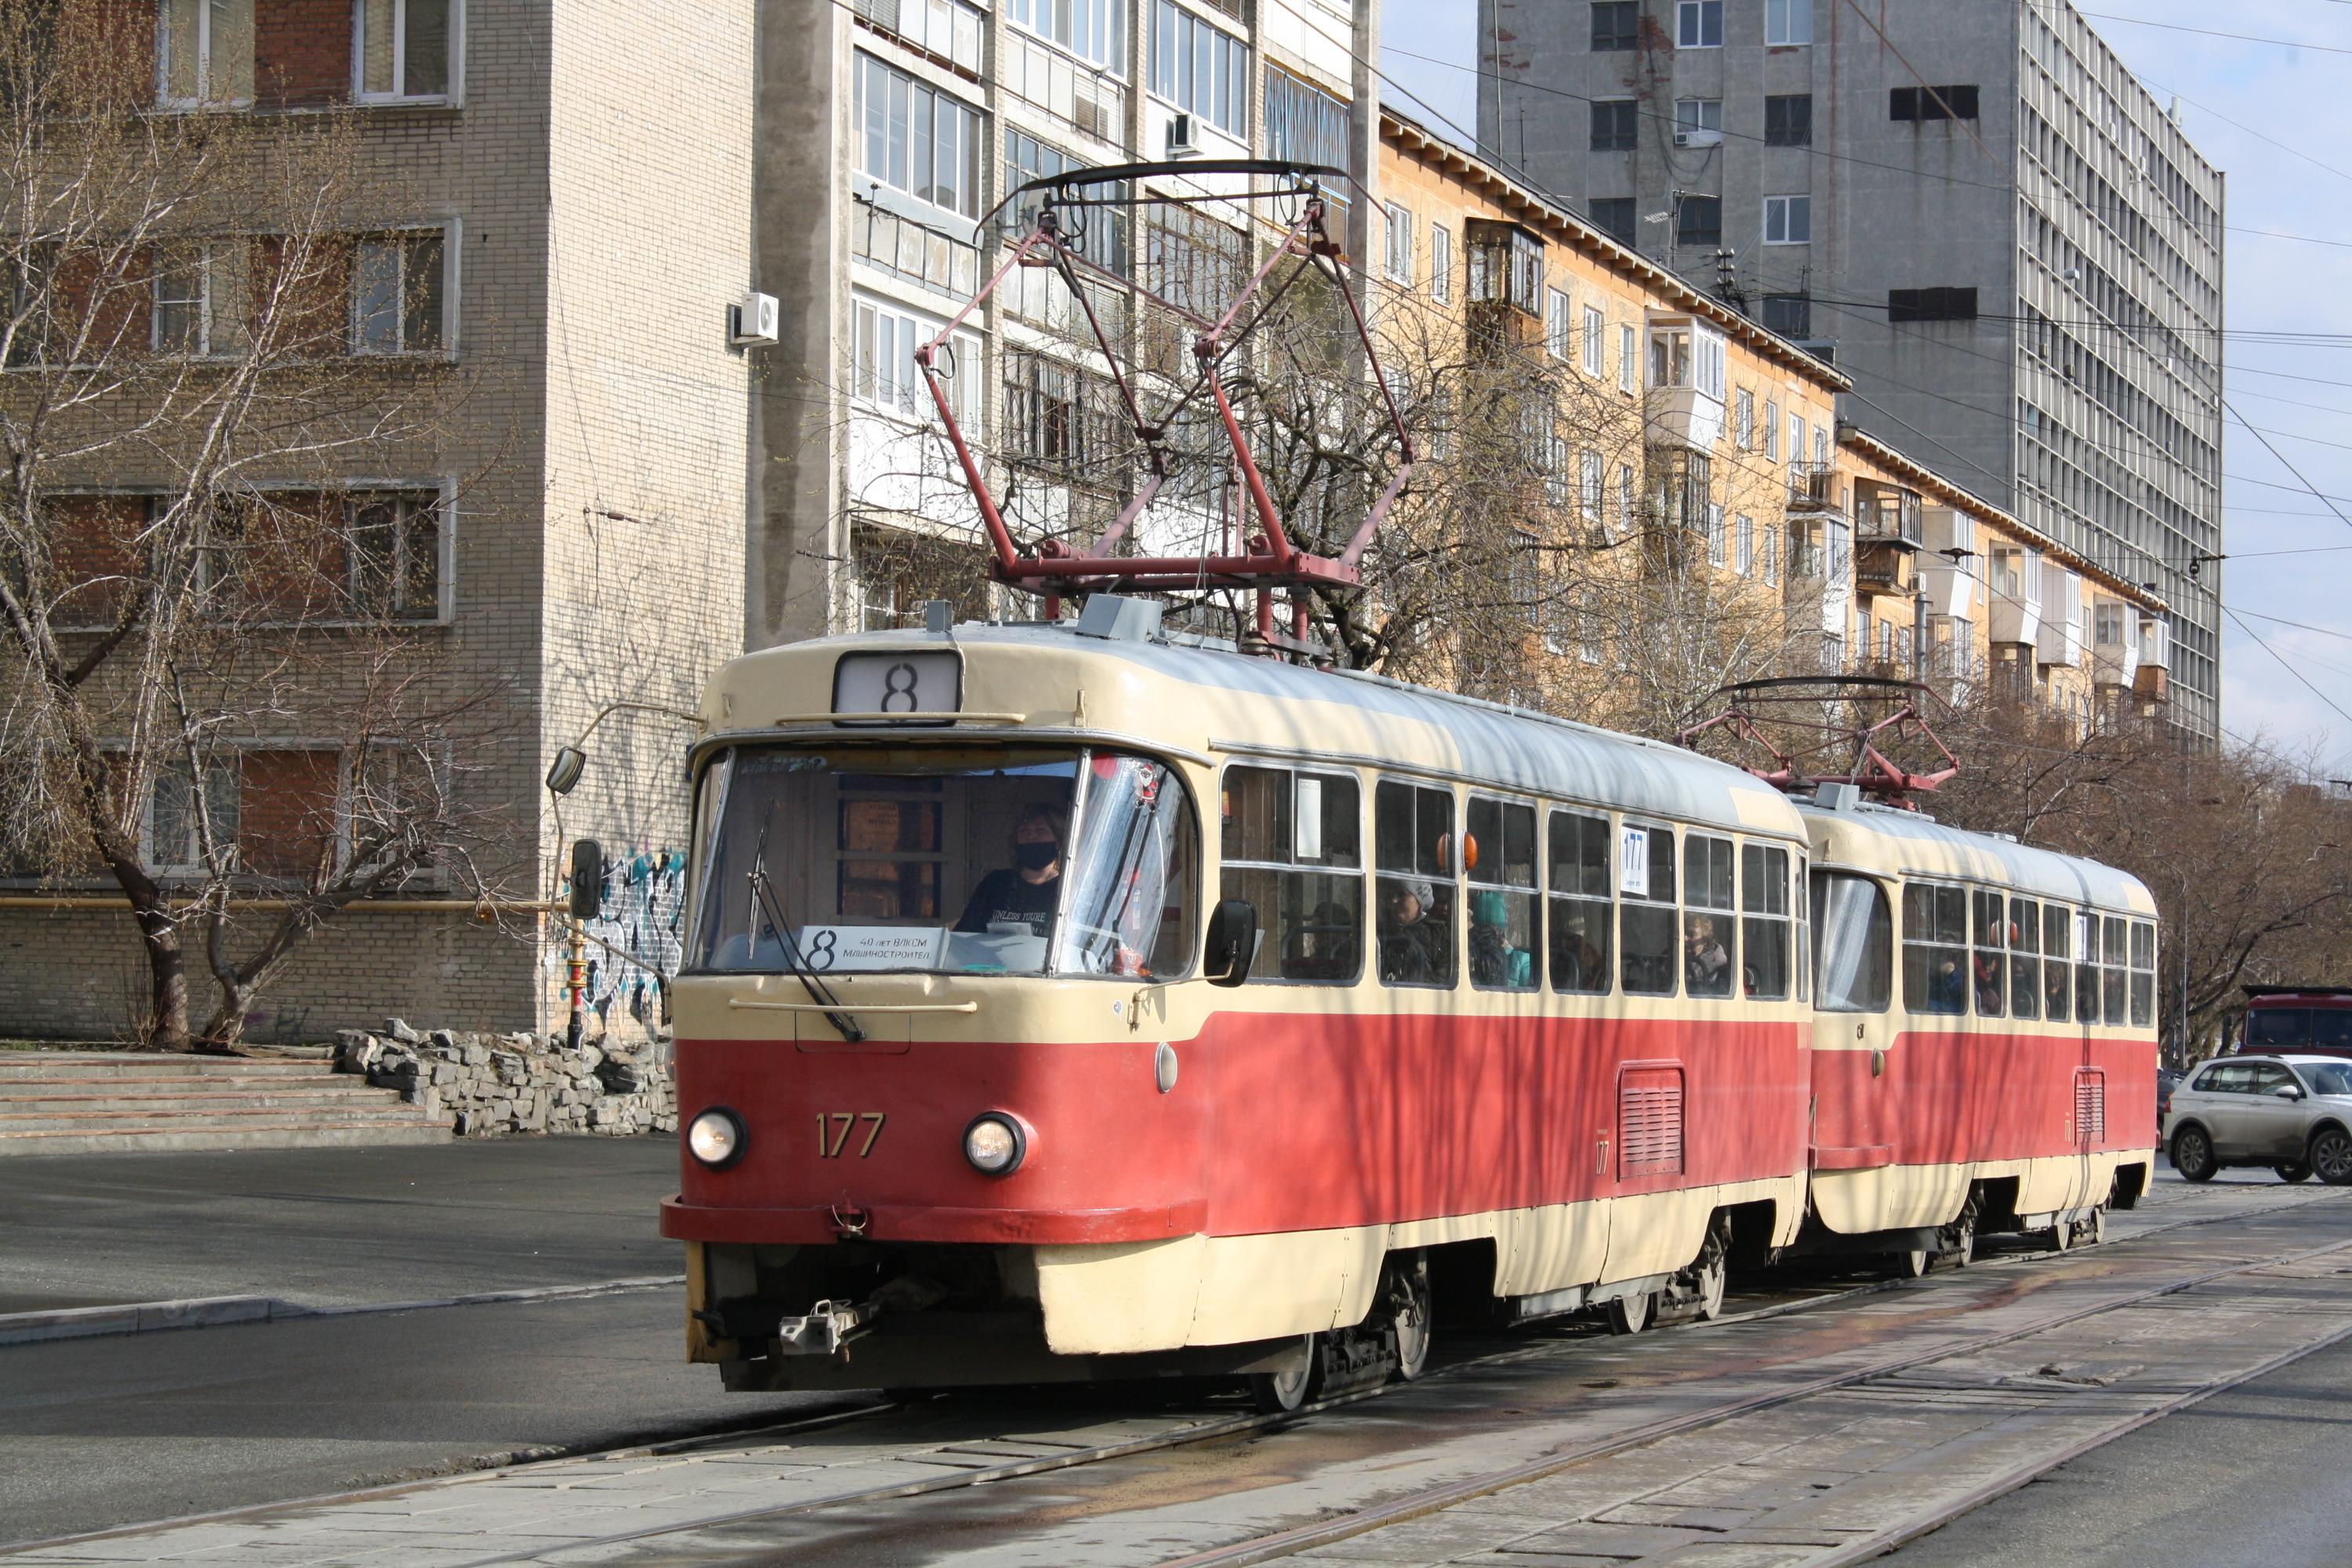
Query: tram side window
{"x": 1710, "y": 934}
{"x": 1413, "y": 842}
{"x": 1853, "y": 932}
{"x": 2143, "y": 975}
{"x": 1804, "y": 939}
{"x": 2024, "y": 957}
{"x": 1985, "y": 975}
{"x": 2113, "y": 967}
{"x": 1581, "y": 921}
{"x": 1764, "y": 920}
{"x": 1504, "y": 931}
{"x": 1292, "y": 848}
{"x": 2086, "y": 968}
{"x": 1645, "y": 917}
{"x": 1935, "y": 949}
{"x": 2057, "y": 974}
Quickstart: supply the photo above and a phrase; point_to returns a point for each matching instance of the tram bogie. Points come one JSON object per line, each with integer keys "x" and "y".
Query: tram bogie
{"x": 1127, "y": 1009}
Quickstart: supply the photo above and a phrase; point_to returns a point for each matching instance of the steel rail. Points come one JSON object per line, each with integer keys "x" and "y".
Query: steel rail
{"x": 475, "y": 1470}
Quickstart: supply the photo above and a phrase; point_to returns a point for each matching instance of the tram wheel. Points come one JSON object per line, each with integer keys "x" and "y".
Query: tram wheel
{"x": 2092, "y": 1232}
{"x": 1711, "y": 1273}
{"x": 1630, "y": 1314}
{"x": 2061, "y": 1236}
{"x": 1914, "y": 1264}
{"x": 2293, "y": 1171}
{"x": 1959, "y": 1240}
{"x": 1281, "y": 1393}
{"x": 1409, "y": 1314}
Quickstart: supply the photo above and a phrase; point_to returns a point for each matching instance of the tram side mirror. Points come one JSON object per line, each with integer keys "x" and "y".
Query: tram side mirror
{"x": 587, "y": 879}
{"x": 1232, "y": 941}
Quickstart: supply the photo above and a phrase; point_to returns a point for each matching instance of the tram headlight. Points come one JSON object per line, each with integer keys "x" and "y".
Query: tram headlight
{"x": 995, "y": 1143}
{"x": 715, "y": 1137}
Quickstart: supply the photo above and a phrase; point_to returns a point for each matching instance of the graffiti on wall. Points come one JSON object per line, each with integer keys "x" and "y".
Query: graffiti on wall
{"x": 638, "y": 938}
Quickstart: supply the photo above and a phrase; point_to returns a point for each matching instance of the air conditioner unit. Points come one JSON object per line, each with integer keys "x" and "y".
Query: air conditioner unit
{"x": 1183, "y": 136}
{"x": 754, "y": 320}
{"x": 1688, "y": 137}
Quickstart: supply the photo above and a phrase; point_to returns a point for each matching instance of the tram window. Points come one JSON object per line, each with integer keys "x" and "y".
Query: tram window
{"x": 2086, "y": 968}
{"x": 1855, "y": 931}
{"x": 2143, "y": 975}
{"x": 1935, "y": 949}
{"x": 1412, "y": 836}
{"x": 1986, "y": 978}
{"x": 1292, "y": 848}
{"x": 2024, "y": 957}
{"x": 2111, "y": 969}
{"x": 1710, "y": 933}
{"x": 1504, "y": 933}
{"x": 1646, "y": 911}
{"x": 2057, "y": 974}
{"x": 1804, "y": 940}
{"x": 1581, "y": 921}
{"x": 1764, "y": 920}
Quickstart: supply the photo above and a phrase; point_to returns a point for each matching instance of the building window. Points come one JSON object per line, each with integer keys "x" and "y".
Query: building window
{"x": 1200, "y": 68}
{"x": 1440, "y": 264}
{"x": 395, "y": 555}
{"x": 1771, "y": 431}
{"x": 1304, "y": 124}
{"x": 175, "y": 827}
{"x": 202, "y": 301}
{"x": 1744, "y": 545}
{"x": 1698, "y": 25}
{"x": 1931, "y": 102}
{"x": 1789, "y": 120}
{"x": 1399, "y": 246}
{"x": 398, "y": 294}
{"x": 1094, "y": 31}
{"x": 1788, "y": 220}
{"x": 914, "y": 140}
{"x": 1771, "y": 555}
{"x": 1698, "y": 122}
{"x": 1615, "y": 25}
{"x": 1743, "y": 423}
{"x": 1791, "y": 315}
{"x": 1595, "y": 326}
{"x": 204, "y": 53}
{"x": 1613, "y": 215}
{"x": 1629, "y": 357}
{"x": 1796, "y": 439}
{"x": 1614, "y": 124}
{"x": 1787, "y": 22}
{"x": 1698, "y": 220}
{"x": 1591, "y": 487}
{"x": 1931, "y": 305}
{"x": 1628, "y": 507}
{"x": 1507, "y": 265}
{"x": 402, "y": 48}
{"x": 1558, "y": 333}
{"x": 1718, "y": 547}
{"x": 1555, "y": 474}
{"x": 883, "y": 373}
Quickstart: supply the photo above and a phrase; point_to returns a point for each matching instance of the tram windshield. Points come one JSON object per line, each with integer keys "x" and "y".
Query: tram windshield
{"x": 1013, "y": 859}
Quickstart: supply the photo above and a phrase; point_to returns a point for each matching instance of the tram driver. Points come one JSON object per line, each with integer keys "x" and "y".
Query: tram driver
{"x": 1022, "y": 895}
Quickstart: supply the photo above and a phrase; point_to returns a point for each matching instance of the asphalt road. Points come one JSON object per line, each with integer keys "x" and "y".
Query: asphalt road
{"x": 2260, "y": 1477}
{"x": 332, "y": 1227}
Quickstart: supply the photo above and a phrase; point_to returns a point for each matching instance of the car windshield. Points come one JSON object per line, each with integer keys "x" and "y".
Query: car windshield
{"x": 2327, "y": 1078}
{"x": 1014, "y": 860}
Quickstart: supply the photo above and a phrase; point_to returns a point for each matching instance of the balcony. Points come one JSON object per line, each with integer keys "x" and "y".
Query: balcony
{"x": 1812, "y": 488}
{"x": 1685, "y": 417}
{"x": 1684, "y": 403}
{"x": 2114, "y": 643}
{"x": 2153, "y": 678}
{"x": 1885, "y": 566}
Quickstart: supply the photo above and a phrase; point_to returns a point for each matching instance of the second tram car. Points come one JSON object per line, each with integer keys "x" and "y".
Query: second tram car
{"x": 1068, "y": 1001}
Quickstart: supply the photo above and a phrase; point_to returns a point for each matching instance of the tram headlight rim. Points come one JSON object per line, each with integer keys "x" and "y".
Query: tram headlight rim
{"x": 738, "y": 1137}
{"x": 1013, "y": 1126}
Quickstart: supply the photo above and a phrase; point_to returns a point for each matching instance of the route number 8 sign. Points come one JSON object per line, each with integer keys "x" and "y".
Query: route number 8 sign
{"x": 899, "y": 682}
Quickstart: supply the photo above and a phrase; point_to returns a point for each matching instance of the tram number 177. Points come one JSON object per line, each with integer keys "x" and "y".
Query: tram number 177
{"x": 834, "y": 1129}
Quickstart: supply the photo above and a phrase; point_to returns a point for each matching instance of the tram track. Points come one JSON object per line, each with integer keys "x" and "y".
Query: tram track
{"x": 972, "y": 1461}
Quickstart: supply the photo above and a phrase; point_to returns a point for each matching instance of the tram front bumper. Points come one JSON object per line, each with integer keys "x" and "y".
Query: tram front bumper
{"x": 682, "y": 1221}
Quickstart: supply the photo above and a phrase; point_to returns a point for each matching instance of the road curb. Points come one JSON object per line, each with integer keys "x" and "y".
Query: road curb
{"x": 212, "y": 1312}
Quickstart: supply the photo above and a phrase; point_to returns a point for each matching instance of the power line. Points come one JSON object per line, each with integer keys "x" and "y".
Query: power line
{"x": 2209, "y": 33}
{"x": 2257, "y": 135}
{"x": 2285, "y": 664}
{"x": 2290, "y": 468}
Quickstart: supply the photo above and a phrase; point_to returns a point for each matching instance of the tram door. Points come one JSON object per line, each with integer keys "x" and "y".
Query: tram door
{"x": 1854, "y": 1026}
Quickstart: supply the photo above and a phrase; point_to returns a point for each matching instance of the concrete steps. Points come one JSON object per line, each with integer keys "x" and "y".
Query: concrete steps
{"x": 77, "y": 1102}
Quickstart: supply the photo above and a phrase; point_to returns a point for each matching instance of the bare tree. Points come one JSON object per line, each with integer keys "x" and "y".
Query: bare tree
{"x": 202, "y": 336}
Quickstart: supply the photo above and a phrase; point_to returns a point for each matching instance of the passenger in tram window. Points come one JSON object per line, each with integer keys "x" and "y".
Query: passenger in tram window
{"x": 1578, "y": 964}
{"x": 1989, "y": 992}
{"x": 1324, "y": 947}
{"x": 1416, "y": 945}
{"x": 1707, "y": 967}
{"x": 1946, "y": 991}
{"x": 1026, "y": 892}
{"x": 1493, "y": 959}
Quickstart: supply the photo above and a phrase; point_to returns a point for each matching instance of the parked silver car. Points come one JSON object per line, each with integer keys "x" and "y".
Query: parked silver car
{"x": 2292, "y": 1113}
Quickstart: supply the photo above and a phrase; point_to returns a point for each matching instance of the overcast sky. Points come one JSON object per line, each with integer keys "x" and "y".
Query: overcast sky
{"x": 2278, "y": 121}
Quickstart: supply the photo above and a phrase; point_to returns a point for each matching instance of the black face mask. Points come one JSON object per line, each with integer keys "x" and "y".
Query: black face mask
{"x": 1036, "y": 857}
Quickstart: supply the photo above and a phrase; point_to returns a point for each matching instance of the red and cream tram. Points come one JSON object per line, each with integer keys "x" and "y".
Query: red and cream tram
{"x": 1067, "y": 1001}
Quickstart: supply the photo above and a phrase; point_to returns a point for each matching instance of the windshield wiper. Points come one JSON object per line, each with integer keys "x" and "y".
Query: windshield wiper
{"x": 772, "y": 904}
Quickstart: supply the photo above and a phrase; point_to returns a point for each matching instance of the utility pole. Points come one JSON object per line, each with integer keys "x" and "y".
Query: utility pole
{"x": 1364, "y": 144}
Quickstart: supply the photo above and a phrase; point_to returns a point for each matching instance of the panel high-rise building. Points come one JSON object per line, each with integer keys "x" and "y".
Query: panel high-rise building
{"x": 1977, "y": 211}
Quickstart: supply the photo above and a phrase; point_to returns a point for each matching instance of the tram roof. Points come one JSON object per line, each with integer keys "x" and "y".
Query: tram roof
{"x": 1241, "y": 705}
{"x": 1879, "y": 838}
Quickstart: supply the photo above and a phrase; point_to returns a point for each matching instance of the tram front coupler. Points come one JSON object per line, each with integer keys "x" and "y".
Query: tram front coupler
{"x": 829, "y": 1326}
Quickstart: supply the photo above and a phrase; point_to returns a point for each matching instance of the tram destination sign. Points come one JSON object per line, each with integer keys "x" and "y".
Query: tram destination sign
{"x": 877, "y": 687}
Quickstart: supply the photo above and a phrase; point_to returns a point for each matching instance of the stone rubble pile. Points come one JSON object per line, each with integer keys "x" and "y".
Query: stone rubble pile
{"x": 494, "y": 1084}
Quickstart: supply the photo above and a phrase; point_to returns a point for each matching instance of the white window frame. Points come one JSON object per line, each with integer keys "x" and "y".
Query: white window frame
{"x": 1440, "y": 264}
{"x": 1788, "y": 23}
{"x": 1743, "y": 545}
{"x": 1556, "y": 479}
{"x": 1592, "y": 485}
{"x": 1596, "y": 327}
{"x": 870, "y": 389}
{"x": 400, "y": 56}
{"x": 1782, "y": 216}
{"x": 1743, "y": 424}
{"x": 1771, "y": 430}
{"x": 447, "y": 347}
{"x": 1560, "y": 329}
{"x": 183, "y": 860}
{"x": 1690, "y": 24}
{"x": 205, "y": 97}
{"x": 1772, "y": 553}
{"x": 1629, "y": 356}
{"x": 1698, "y": 114}
{"x": 1397, "y": 244}
{"x": 1717, "y": 546}
{"x": 975, "y": 125}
